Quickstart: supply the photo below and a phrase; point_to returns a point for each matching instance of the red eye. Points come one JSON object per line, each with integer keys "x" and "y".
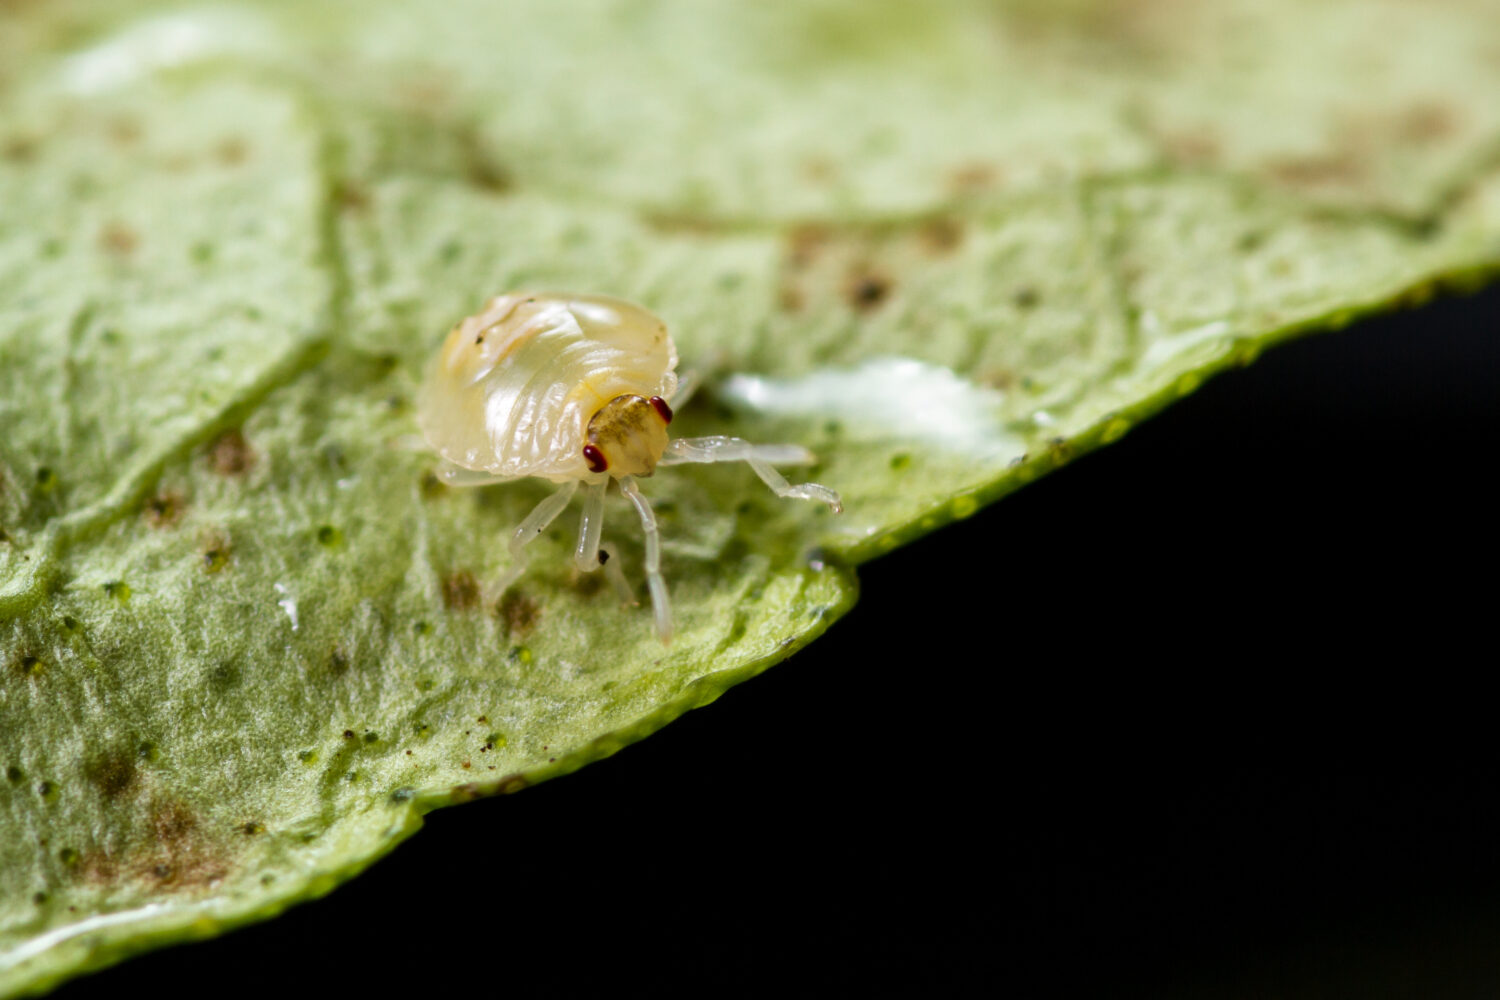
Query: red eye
{"x": 662, "y": 409}
{"x": 595, "y": 458}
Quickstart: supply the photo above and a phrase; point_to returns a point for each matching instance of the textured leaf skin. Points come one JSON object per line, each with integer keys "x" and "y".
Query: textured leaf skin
{"x": 244, "y": 636}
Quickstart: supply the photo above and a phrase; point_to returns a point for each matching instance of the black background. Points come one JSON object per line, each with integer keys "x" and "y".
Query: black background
{"x": 1204, "y": 714}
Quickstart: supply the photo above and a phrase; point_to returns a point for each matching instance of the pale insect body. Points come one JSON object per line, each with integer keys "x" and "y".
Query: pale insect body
{"x": 575, "y": 389}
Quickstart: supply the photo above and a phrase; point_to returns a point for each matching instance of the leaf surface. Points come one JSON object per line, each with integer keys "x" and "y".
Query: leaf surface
{"x": 246, "y": 638}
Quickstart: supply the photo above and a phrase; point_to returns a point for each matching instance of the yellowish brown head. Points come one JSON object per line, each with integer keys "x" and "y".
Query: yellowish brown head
{"x": 627, "y": 436}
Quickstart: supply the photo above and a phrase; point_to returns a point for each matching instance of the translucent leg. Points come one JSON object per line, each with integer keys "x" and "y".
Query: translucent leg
{"x": 535, "y": 523}
{"x": 759, "y": 457}
{"x": 586, "y": 555}
{"x": 660, "y": 603}
{"x": 457, "y": 475}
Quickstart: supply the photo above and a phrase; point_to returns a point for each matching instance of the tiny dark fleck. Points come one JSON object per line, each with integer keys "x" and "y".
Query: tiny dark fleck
{"x": 329, "y": 536}
{"x": 372, "y": 737}
{"x": 216, "y": 550}
{"x": 348, "y": 734}
{"x": 866, "y": 290}
{"x": 1027, "y": 298}
{"x": 253, "y": 828}
{"x": 603, "y": 557}
{"x": 164, "y": 509}
{"x": 403, "y": 794}
{"x": 483, "y": 718}
{"x": 39, "y": 898}
{"x": 14, "y": 775}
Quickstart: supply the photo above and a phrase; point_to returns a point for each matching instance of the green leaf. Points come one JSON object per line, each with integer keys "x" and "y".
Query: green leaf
{"x": 248, "y": 639}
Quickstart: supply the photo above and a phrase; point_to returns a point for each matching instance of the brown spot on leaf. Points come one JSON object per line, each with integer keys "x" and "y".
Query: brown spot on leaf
{"x": 125, "y": 131}
{"x": 998, "y": 378}
{"x": 231, "y": 454}
{"x": 460, "y": 590}
{"x": 805, "y": 243}
{"x": 112, "y": 773}
{"x": 168, "y": 851}
{"x": 232, "y": 151}
{"x": 941, "y": 235}
{"x": 1320, "y": 170}
{"x": 520, "y": 613}
{"x": 165, "y": 509}
{"x": 350, "y": 195}
{"x": 819, "y": 169}
{"x": 118, "y": 239}
{"x": 972, "y": 178}
{"x": 1195, "y": 148}
{"x": 19, "y": 149}
{"x": 1428, "y": 121}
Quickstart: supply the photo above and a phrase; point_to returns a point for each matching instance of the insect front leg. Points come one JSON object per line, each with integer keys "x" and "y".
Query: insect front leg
{"x": 590, "y": 527}
{"x": 535, "y": 523}
{"x": 590, "y": 555}
{"x": 760, "y": 457}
